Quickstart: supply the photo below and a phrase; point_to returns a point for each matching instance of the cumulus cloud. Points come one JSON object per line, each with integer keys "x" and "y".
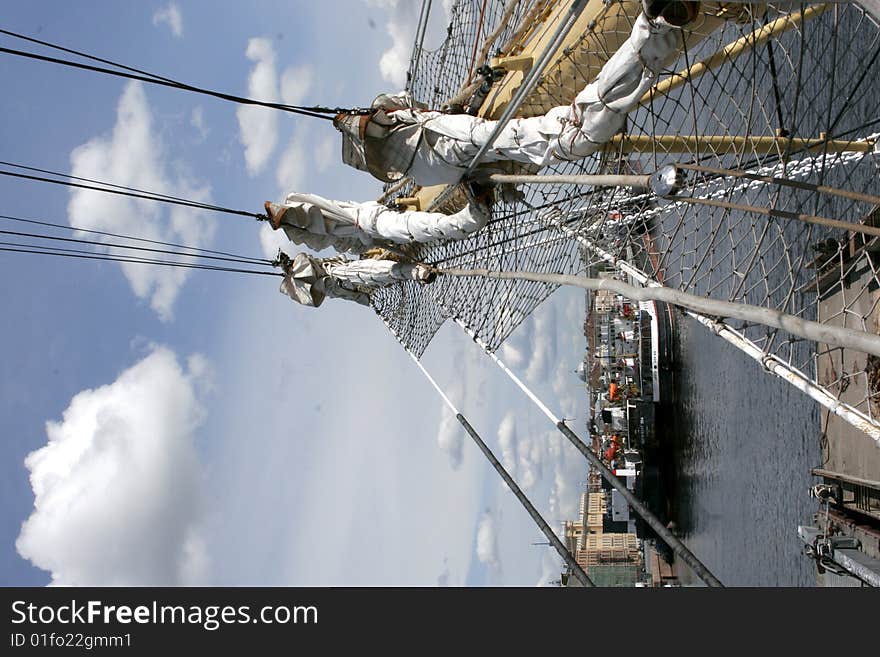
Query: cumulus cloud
{"x": 403, "y": 18}
{"x": 291, "y": 170}
{"x": 325, "y": 153}
{"x": 170, "y": 15}
{"x": 296, "y": 82}
{"x": 197, "y": 121}
{"x": 522, "y": 456}
{"x": 118, "y": 488}
{"x": 530, "y": 455}
{"x": 507, "y": 442}
{"x": 568, "y": 471}
{"x": 512, "y": 355}
{"x": 447, "y": 9}
{"x": 450, "y": 435}
{"x": 133, "y": 156}
{"x": 543, "y": 344}
{"x": 290, "y": 176}
{"x": 258, "y": 126}
{"x": 273, "y": 240}
{"x": 487, "y": 541}
{"x": 450, "y": 438}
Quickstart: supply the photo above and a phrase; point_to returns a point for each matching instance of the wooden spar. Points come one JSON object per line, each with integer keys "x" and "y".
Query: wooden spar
{"x": 734, "y": 50}
{"x": 721, "y": 144}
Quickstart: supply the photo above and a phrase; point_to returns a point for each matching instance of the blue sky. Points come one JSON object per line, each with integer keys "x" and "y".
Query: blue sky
{"x": 204, "y": 429}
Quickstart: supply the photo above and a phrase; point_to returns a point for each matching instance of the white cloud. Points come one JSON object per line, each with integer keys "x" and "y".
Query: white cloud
{"x": 450, "y": 434}
{"x": 258, "y": 126}
{"x": 450, "y": 438}
{"x": 118, "y": 488}
{"x": 522, "y": 456}
{"x": 290, "y": 175}
{"x": 530, "y": 453}
{"x": 403, "y": 16}
{"x": 511, "y": 355}
{"x": 197, "y": 121}
{"x": 447, "y": 9}
{"x": 272, "y": 240}
{"x": 133, "y": 156}
{"x": 394, "y": 62}
{"x": 296, "y": 82}
{"x": 292, "y": 166}
{"x": 325, "y": 152}
{"x": 507, "y": 442}
{"x": 171, "y": 16}
{"x": 290, "y": 172}
{"x": 569, "y": 471}
{"x": 543, "y": 344}
{"x": 487, "y": 541}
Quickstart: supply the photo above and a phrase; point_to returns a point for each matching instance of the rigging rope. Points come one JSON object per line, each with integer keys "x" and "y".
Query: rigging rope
{"x": 255, "y": 261}
{"x": 424, "y": 13}
{"x": 317, "y": 111}
{"x": 207, "y": 206}
{"x": 473, "y": 66}
{"x": 150, "y": 196}
{"x": 123, "y": 246}
{"x": 87, "y": 255}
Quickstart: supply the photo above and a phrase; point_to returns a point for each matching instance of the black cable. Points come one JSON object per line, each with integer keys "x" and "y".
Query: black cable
{"x": 84, "y": 55}
{"x": 135, "y": 239}
{"x": 177, "y": 83}
{"x": 852, "y": 93}
{"x": 150, "y": 196}
{"x": 776, "y": 95}
{"x": 87, "y": 255}
{"x": 162, "y": 82}
{"x": 206, "y": 206}
{"x": 318, "y": 112}
{"x": 859, "y": 128}
{"x": 121, "y": 246}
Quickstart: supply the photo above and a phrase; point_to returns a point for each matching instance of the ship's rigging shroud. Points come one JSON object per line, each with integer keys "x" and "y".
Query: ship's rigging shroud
{"x": 773, "y": 72}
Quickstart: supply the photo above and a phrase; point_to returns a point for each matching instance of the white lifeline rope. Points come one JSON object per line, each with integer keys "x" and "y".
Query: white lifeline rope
{"x": 663, "y": 532}
{"x": 513, "y": 377}
{"x": 548, "y": 532}
{"x": 431, "y": 380}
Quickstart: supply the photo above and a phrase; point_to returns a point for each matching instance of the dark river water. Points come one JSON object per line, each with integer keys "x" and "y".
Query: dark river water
{"x": 745, "y": 442}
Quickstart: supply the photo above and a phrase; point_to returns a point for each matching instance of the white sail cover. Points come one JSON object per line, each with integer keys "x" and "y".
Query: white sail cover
{"x": 309, "y": 280}
{"x": 447, "y": 143}
{"x": 320, "y": 223}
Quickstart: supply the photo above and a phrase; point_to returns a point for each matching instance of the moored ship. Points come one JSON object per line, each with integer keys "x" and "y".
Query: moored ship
{"x": 630, "y": 361}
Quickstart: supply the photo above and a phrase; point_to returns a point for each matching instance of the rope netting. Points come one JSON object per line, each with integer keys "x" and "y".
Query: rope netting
{"x": 779, "y": 89}
{"x": 514, "y": 238}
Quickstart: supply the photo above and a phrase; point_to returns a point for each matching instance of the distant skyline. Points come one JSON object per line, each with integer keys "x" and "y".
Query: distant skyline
{"x": 172, "y": 427}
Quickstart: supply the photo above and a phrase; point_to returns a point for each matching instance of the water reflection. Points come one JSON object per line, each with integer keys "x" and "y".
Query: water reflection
{"x": 744, "y": 442}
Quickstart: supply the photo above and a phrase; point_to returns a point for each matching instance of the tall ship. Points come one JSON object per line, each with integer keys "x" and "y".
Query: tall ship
{"x": 708, "y": 163}
{"x": 767, "y": 118}
{"x": 629, "y": 368}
